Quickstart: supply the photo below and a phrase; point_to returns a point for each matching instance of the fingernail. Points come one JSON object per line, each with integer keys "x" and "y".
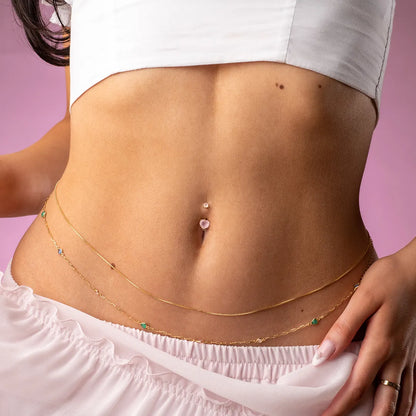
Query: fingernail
{"x": 326, "y": 349}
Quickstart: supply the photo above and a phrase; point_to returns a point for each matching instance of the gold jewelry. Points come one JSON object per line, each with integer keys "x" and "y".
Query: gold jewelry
{"x": 390, "y": 383}
{"x": 146, "y": 292}
{"x": 149, "y": 328}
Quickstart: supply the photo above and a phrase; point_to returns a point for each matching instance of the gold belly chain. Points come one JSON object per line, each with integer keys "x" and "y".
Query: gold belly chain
{"x": 148, "y": 327}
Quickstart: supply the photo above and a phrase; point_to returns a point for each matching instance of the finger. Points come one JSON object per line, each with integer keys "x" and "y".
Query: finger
{"x": 404, "y": 404}
{"x": 413, "y": 408}
{"x": 361, "y": 306}
{"x": 386, "y": 397}
{"x": 375, "y": 350}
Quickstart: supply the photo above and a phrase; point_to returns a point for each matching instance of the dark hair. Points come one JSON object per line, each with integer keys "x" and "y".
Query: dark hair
{"x": 48, "y": 44}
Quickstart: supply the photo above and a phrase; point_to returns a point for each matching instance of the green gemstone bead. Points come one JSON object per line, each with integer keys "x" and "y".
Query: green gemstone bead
{"x": 43, "y": 214}
{"x": 314, "y": 321}
{"x": 143, "y": 325}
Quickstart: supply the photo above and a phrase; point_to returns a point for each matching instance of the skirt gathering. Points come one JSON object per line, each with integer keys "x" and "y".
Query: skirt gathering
{"x": 57, "y": 360}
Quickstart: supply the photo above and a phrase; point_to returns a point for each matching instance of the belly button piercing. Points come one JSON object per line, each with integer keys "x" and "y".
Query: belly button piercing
{"x": 204, "y": 222}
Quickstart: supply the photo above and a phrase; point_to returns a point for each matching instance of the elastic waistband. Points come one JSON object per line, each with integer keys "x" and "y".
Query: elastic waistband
{"x": 261, "y": 355}
{"x": 195, "y": 352}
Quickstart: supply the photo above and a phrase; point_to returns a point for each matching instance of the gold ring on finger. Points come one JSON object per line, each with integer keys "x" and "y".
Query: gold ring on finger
{"x": 390, "y": 383}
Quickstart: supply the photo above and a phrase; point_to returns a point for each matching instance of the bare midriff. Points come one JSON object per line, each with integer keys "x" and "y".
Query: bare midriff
{"x": 277, "y": 151}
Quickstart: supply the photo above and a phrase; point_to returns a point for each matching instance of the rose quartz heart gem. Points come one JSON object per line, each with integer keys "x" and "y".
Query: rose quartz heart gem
{"x": 204, "y": 224}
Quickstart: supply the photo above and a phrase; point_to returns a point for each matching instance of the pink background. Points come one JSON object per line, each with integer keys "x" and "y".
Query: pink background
{"x": 32, "y": 100}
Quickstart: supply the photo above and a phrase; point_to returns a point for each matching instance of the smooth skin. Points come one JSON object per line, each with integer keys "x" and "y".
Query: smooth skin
{"x": 226, "y": 99}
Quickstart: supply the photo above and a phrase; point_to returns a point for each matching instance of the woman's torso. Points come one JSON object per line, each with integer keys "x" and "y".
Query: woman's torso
{"x": 277, "y": 151}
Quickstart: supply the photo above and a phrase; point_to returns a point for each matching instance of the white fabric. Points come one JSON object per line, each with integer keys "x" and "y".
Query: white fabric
{"x": 347, "y": 40}
{"x": 57, "y": 360}
{"x": 64, "y": 12}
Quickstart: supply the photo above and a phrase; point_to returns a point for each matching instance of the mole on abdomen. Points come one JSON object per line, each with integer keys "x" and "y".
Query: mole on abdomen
{"x": 281, "y": 86}
{"x": 319, "y": 86}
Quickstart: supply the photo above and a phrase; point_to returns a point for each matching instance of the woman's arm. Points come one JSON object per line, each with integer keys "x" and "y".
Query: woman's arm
{"x": 27, "y": 177}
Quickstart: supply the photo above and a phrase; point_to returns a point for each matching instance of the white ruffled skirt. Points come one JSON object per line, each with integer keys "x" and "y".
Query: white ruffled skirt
{"x": 57, "y": 360}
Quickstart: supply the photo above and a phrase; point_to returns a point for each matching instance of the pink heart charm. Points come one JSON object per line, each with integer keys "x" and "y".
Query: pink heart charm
{"x": 204, "y": 224}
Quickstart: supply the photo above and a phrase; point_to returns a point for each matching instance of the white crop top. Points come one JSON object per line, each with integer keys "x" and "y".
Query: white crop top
{"x": 347, "y": 40}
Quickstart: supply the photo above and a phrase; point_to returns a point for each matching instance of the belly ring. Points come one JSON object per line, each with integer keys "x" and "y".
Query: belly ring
{"x": 204, "y": 222}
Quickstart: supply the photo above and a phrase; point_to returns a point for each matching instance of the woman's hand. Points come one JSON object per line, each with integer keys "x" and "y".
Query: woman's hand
{"x": 387, "y": 298}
